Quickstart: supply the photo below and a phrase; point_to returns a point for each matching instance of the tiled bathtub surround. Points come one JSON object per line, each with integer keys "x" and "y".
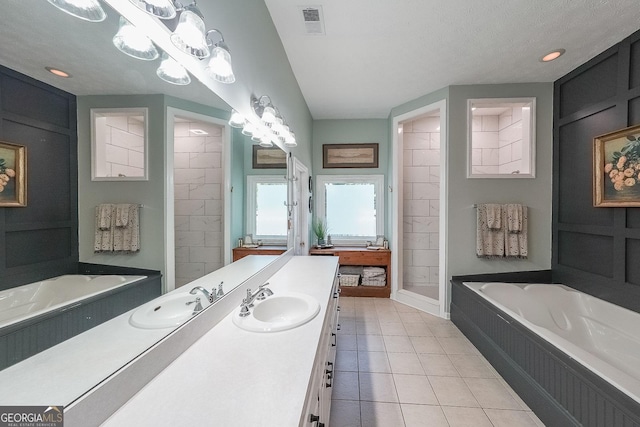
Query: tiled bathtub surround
{"x": 198, "y": 181}
{"x": 421, "y": 205}
{"x": 397, "y": 366}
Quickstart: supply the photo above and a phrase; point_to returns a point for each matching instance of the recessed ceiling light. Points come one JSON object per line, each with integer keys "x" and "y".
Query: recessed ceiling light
{"x": 58, "y": 72}
{"x": 552, "y": 55}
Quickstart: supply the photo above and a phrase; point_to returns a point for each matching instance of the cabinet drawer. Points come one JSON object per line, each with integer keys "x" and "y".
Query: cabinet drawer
{"x": 363, "y": 258}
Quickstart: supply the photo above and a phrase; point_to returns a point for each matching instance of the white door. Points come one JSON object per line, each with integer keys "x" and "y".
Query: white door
{"x": 301, "y": 201}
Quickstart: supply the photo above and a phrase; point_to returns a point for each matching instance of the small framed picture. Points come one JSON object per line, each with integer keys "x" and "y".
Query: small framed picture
{"x": 269, "y": 158}
{"x": 616, "y": 168}
{"x": 349, "y": 156}
{"x": 13, "y": 175}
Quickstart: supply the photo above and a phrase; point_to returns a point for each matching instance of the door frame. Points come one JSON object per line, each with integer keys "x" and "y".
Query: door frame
{"x": 301, "y": 201}
{"x": 169, "y": 193}
{"x": 440, "y": 307}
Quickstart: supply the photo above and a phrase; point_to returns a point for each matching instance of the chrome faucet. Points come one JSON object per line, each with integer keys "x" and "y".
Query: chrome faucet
{"x": 261, "y": 293}
{"x": 198, "y": 306}
{"x": 211, "y": 296}
{"x": 219, "y": 292}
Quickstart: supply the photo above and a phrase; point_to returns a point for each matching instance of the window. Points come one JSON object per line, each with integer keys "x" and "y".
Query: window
{"x": 119, "y": 144}
{"x": 352, "y": 205}
{"x": 501, "y": 135}
{"x": 266, "y": 210}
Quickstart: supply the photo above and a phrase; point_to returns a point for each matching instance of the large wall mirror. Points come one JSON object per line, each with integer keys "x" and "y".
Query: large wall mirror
{"x": 27, "y": 27}
{"x": 501, "y": 138}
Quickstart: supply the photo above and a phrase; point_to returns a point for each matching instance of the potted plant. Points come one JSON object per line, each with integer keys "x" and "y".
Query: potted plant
{"x": 320, "y": 230}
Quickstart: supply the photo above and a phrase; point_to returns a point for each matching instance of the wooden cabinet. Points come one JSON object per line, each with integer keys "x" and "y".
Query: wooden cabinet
{"x": 361, "y": 257}
{"x": 239, "y": 253}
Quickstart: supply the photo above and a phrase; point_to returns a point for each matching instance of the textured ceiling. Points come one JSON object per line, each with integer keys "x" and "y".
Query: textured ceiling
{"x": 374, "y": 55}
{"x": 379, "y": 54}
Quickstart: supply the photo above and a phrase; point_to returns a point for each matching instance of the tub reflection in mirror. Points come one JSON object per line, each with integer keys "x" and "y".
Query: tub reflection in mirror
{"x": 99, "y": 71}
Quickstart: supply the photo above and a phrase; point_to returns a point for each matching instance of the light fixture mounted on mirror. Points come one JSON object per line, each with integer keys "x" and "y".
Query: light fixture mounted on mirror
{"x": 88, "y": 10}
{"x": 219, "y": 66}
{"x": 163, "y": 9}
{"x": 272, "y": 121}
{"x": 133, "y": 42}
{"x": 172, "y": 72}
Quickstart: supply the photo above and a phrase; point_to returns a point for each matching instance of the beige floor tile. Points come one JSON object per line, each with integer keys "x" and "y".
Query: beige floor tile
{"x": 347, "y": 360}
{"x": 414, "y": 389}
{"x": 517, "y": 398}
{"x": 438, "y": 365}
{"x": 405, "y": 363}
{"x": 471, "y": 366}
{"x": 434, "y": 320}
{"x": 410, "y": 317}
{"x": 466, "y": 417}
{"x": 427, "y": 345}
{"x": 502, "y": 418}
{"x": 388, "y": 317}
{"x": 417, "y": 329}
{"x": 379, "y": 414}
{"x": 376, "y": 387}
{"x": 453, "y": 391}
{"x": 398, "y": 344}
{"x": 456, "y": 345}
{"x": 346, "y": 342}
{"x": 369, "y": 343}
{"x": 347, "y": 327}
{"x": 445, "y": 330}
{"x": 368, "y": 328}
{"x": 403, "y": 308}
{"x": 423, "y": 416}
{"x": 394, "y": 328}
{"x": 345, "y": 413}
{"x": 345, "y": 386}
{"x": 491, "y": 394}
{"x": 374, "y": 361}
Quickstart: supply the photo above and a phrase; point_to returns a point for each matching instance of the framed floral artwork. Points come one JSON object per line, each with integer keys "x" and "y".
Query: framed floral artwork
{"x": 616, "y": 168}
{"x": 13, "y": 175}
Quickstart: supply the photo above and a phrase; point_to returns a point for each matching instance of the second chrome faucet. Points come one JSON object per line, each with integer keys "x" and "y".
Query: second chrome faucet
{"x": 261, "y": 293}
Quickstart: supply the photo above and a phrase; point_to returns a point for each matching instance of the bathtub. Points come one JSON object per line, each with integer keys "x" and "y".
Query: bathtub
{"x": 26, "y": 301}
{"x": 575, "y": 358}
{"x": 39, "y": 315}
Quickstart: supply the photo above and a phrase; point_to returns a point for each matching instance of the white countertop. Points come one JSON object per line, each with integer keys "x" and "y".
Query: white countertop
{"x": 62, "y": 373}
{"x": 231, "y": 377}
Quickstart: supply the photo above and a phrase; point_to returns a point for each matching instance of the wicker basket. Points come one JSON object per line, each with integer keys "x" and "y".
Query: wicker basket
{"x": 349, "y": 279}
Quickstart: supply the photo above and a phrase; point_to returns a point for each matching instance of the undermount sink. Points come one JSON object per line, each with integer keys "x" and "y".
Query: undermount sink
{"x": 278, "y": 313}
{"x": 165, "y": 312}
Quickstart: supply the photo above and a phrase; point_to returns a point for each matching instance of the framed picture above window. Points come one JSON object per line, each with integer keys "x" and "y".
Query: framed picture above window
{"x": 349, "y": 156}
{"x": 269, "y": 158}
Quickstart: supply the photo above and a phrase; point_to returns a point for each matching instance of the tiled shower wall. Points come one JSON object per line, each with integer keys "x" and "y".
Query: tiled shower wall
{"x": 421, "y": 201}
{"x": 497, "y": 142}
{"x": 198, "y": 184}
{"x": 123, "y": 140}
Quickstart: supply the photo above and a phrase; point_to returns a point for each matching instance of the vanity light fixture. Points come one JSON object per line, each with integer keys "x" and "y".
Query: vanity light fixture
{"x": 190, "y": 36}
{"x": 88, "y": 10}
{"x": 264, "y": 109}
{"x": 290, "y": 140}
{"x": 555, "y": 54}
{"x": 248, "y": 129}
{"x": 237, "y": 120}
{"x": 133, "y": 42}
{"x": 172, "y": 72}
{"x": 219, "y": 67}
{"x": 163, "y": 9}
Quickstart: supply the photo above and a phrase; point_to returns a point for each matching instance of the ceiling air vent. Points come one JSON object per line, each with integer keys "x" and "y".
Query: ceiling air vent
{"x": 312, "y": 16}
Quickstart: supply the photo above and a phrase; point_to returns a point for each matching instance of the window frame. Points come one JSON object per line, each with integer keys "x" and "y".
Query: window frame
{"x": 251, "y": 193}
{"x": 379, "y": 189}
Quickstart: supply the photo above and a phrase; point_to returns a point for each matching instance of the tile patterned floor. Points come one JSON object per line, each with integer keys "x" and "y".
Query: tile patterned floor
{"x": 397, "y": 366}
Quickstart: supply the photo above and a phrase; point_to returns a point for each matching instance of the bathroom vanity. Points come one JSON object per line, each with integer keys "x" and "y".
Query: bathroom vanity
{"x": 231, "y": 376}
